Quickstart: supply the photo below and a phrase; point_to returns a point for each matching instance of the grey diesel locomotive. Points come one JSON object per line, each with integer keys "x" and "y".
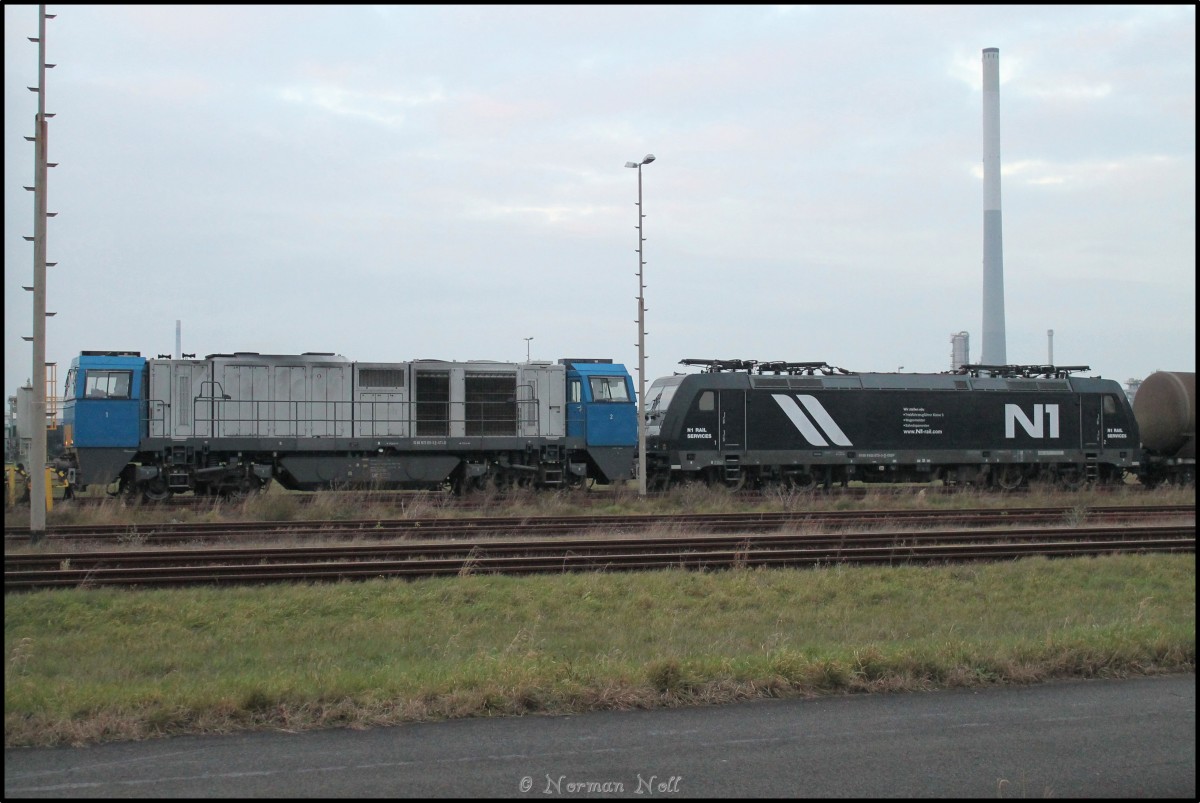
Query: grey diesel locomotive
{"x": 748, "y": 423}
{"x": 230, "y": 423}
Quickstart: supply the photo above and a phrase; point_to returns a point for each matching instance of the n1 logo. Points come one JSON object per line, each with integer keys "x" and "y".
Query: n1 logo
{"x": 1034, "y": 427}
{"x": 820, "y": 416}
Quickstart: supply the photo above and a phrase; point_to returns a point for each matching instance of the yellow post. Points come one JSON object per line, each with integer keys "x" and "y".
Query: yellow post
{"x": 10, "y": 482}
{"x": 49, "y": 489}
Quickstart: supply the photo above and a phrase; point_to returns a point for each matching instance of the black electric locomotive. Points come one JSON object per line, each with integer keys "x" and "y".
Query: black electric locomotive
{"x": 748, "y": 423}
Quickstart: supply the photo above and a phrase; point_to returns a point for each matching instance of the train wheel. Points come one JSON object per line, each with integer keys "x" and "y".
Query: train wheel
{"x": 1113, "y": 477}
{"x": 156, "y": 490}
{"x": 577, "y": 483}
{"x": 243, "y": 490}
{"x": 1070, "y": 478}
{"x": 659, "y": 483}
{"x": 1010, "y": 478}
{"x": 1045, "y": 478}
{"x": 799, "y": 481}
{"x": 481, "y": 485}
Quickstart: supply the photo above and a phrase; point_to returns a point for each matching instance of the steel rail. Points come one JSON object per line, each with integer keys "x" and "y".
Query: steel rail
{"x": 567, "y": 525}
{"x": 591, "y": 546}
{"x": 169, "y": 567}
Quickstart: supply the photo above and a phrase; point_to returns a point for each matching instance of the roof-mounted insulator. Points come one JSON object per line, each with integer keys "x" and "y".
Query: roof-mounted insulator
{"x": 716, "y": 366}
{"x": 1023, "y": 371}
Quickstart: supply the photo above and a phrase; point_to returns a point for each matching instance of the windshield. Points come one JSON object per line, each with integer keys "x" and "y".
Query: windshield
{"x": 609, "y": 389}
{"x": 661, "y": 400}
{"x": 108, "y": 384}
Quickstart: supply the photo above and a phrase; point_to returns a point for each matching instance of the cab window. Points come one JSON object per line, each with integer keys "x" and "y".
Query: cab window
{"x": 609, "y": 389}
{"x": 1110, "y": 405}
{"x": 575, "y": 391}
{"x": 663, "y": 400}
{"x": 108, "y": 384}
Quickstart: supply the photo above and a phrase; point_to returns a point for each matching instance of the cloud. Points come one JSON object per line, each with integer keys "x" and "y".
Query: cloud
{"x": 388, "y": 109}
{"x": 1084, "y": 174}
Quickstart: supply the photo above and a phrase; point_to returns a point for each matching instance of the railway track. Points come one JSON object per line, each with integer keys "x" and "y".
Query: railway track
{"x": 229, "y": 566}
{"x": 495, "y": 526}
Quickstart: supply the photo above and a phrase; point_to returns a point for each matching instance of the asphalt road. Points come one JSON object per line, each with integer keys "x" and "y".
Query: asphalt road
{"x": 1100, "y": 738}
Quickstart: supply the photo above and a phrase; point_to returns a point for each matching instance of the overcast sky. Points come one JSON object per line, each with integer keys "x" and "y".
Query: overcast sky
{"x": 394, "y": 183}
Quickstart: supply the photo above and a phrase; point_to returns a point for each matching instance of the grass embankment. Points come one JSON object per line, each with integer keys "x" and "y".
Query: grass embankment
{"x": 104, "y": 664}
{"x": 93, "y": 665}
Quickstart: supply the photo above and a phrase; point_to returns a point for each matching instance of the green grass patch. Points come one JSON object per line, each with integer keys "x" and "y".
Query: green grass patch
{"x": 91, "y": 665}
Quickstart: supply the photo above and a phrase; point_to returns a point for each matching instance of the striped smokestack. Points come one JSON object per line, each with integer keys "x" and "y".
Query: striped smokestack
{"x": 993, "y": 244}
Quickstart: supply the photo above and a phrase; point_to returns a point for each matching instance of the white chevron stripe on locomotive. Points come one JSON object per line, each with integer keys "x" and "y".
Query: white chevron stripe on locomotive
{"x": 807, "y": 427}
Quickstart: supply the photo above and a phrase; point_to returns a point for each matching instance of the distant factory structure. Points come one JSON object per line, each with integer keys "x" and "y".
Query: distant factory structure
{"x": 960, "y": 350}
{"x": 19, "y": 426}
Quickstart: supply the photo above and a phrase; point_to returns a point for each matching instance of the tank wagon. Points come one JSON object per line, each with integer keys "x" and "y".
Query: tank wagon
{"x": 1165, "y": 408}
{"x": 801, "y": 424}
{"x": 230, "y": 423}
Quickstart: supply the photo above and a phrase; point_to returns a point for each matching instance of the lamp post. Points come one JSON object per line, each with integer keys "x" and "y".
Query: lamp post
{"x": 527, "y": 348}
{"x": 641, "y": 344}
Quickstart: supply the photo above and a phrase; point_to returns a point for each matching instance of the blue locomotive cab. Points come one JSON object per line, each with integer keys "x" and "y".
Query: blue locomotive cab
{"x": 102, "y": 418}
{"x": 601, "y": 404}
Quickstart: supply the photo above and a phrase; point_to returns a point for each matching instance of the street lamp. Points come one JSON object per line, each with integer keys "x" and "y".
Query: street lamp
{"x": 641, "y": 344}
{"x": 527, "y": 348}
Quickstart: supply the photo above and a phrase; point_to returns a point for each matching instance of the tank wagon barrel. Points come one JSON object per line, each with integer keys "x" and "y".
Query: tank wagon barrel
{"x": 1165, "y": 408}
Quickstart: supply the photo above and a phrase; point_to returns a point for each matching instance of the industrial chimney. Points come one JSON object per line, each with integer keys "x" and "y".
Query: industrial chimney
{"x": 993, "y": 247}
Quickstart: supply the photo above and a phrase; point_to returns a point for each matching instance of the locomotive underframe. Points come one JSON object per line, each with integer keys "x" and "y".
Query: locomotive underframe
{"x": 1161, "y": 470}
{"x": 804, "y": 469}
{"x": 236, "y": 466}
